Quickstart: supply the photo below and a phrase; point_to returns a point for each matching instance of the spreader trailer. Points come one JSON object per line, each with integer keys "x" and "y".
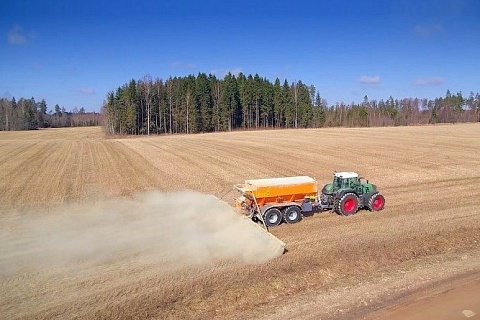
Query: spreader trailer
{"x": 274, "y": 200}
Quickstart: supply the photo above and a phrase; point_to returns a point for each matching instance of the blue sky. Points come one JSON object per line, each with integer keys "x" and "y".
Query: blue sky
{"x": 74, "y": 52}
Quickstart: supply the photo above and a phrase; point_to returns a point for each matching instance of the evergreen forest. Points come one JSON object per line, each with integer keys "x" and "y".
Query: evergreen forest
{"x": 204, "y": 103}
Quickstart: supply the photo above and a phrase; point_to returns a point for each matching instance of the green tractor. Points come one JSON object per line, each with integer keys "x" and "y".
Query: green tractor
{"x": 347, "y": 193}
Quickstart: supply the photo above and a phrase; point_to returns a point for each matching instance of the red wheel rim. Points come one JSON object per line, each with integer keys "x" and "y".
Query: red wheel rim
{"x": 378, "y": 203}
{"x": 349, "y": 205}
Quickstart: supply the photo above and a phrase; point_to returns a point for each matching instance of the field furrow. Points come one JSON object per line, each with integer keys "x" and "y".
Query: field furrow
{"x": 428, "y": 231}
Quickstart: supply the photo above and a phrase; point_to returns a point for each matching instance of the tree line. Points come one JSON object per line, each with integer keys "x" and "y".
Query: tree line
{"x": 204, "y": 103}
{"x": 28, "y": 114}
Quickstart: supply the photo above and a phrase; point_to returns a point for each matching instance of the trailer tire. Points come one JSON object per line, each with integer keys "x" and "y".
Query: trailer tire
{"x": 347, "y": 205}
{"x": 272, "y": 217}
{"x": 292, "y": 214}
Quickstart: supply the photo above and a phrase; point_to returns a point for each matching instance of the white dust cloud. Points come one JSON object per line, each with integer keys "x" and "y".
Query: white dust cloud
{"x": 170, "y": 229}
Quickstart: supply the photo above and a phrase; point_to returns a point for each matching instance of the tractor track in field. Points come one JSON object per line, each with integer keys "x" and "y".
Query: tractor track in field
{"x": 335, "y": 267}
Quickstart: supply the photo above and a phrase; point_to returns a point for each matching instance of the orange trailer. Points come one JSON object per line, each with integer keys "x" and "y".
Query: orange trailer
{"x": 275, "y": 199}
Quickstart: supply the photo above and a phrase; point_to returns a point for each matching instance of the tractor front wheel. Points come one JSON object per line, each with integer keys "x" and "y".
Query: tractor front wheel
{"x": 347, "y": 205}
{"x": 376, "y": 202}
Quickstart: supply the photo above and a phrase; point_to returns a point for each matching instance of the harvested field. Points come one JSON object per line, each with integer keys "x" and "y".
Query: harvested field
{"x": 335, "y": 267}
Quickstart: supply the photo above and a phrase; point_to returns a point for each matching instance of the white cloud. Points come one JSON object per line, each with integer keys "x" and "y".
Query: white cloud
{"x": 428, "y": 81}
{"x": 223, "y": 72}
{"x": 234, "y": 71}
{"x": 16, "y": 37}
{"x": 371, "y": 80}
{"x": 86, "y": 91}
{"x": 426, "y": 31}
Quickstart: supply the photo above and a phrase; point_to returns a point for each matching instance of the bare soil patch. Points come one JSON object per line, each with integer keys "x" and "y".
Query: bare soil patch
{"x": 428, "y": 231}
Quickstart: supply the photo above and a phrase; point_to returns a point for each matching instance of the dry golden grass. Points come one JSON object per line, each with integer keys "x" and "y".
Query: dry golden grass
{"x": 430, "y": 177}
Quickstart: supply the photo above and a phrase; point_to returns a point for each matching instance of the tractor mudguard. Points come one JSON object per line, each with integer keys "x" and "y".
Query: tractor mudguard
{"x": 367, "y": 196}
{"x": 339, "y": 195}
{"x": 364, "y": 198}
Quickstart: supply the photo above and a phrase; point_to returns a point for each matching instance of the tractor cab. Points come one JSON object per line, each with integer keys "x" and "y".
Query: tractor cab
{"x": 345, "y": 180}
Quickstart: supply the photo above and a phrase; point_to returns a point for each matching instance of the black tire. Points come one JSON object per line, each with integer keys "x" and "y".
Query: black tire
{"x": 292, "y": 214}
{"x": 347, "y": 204}
{"x": 376, "y": 202}
{"x": 272, "y": 217}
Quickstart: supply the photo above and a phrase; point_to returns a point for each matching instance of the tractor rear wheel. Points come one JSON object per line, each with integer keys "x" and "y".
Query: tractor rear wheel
{"x": 292, "y": 214}
{"x": 347, "y": 205}
{"x": 376, "y": 202}
{"x": 272, "y": 217}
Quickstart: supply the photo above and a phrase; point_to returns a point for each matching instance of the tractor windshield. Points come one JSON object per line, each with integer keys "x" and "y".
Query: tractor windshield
{"x": 345, "y": 183}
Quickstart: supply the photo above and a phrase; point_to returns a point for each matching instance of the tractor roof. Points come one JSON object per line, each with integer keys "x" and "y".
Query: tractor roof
{"x": 346, "y": 175}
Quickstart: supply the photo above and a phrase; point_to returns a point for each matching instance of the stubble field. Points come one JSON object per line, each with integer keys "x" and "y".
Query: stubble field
{"x": 62, "y": 184}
